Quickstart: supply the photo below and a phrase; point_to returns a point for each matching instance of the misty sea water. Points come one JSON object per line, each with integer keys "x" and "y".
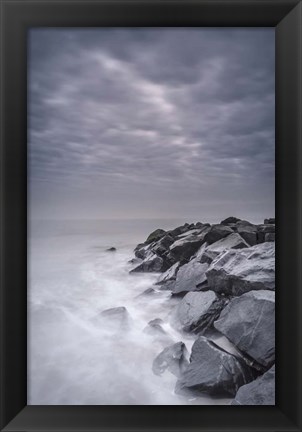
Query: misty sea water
{"x": 73, "y": 358}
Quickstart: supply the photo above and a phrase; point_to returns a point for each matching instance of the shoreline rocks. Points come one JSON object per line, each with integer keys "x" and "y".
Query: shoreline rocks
{"x": 258, "y": 392}
{"x": 248, "y": 322}
{"x": 213, "y": 371}
{"x": 226, "y": 275}
{"x": 197, "y": 311}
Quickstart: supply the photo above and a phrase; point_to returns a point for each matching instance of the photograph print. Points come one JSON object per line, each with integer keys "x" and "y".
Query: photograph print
{"x": 151, "y": 216}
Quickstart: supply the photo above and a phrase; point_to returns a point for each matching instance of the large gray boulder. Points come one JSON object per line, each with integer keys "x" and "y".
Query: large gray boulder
{"x": 248, "y": 322}
{"x": 197, "y": 311}
{"x": 116, "y": 318}
{"x": 237, "y": 271}
{"x": 230, "y": 220}
{"x": 232, "y": 241}
{"x": 213, "y": 371}
{"x": 269, "y": 237}
{"x": 154, "y": 327}
{"x": 169, "y": 275}
{"x": 263, "y": 230}
{"x": 189, "y": 276}
{"x": 217, "y": 232}
{"x": 184, "y": 248}
{"x": 173, "y": 358}
{"x": 151, "y": 263}
{"x": 155, "y": 235}
{"x": 258, "y": 392}
{"x": 248, "y": 232}
{"x": 161, "y": 247}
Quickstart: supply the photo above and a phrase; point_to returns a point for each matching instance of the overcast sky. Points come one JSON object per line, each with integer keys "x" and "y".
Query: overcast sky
{"x": 144, "y": 123}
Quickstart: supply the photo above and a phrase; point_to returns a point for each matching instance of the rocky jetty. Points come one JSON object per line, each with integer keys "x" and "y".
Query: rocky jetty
{"x": 222, "y": 280}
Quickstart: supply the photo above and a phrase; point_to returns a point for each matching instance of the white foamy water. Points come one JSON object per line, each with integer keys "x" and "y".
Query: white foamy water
{"x": 73, "y": 357}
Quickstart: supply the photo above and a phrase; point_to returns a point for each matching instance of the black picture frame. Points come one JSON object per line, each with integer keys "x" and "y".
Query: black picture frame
{"x": 19, "y": 15}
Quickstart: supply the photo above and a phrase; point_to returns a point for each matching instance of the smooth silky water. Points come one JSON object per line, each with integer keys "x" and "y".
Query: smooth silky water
{"x": 74, "y": 358}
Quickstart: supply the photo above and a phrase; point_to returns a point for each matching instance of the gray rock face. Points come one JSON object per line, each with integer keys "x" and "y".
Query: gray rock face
{"x": 269, "y": 221}
{"x": 169, "y": 275}
{"x": 189, "y": 276}
{"x": 172, "y": 358}
{"x": 269, "y": 237}
{"x": 197, "y": 311}
{"x": 248, "y": 232}
{"x": 217, "y": 232}
{"x": 155, "y": 235}
{"x": 229, "y": 220}
{"x": 258, "y": 392}
{"x": 213, "y": 370}
{"x": 263, "y": 230}
{"x": 115, "y": 318}
{"x": 232, "y": 241}
{"x": 141, "y": 250}
{"x": 248, "y": 322}
{"x": 184, "y": 248}
{"x": 161, "y": 246}
{"x": 154, "y": 327}
{"x": 151, "y": 263}
{"x": 238, "y": 271}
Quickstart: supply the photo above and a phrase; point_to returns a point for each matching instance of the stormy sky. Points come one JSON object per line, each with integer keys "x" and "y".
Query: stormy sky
{"x": 151, "y": 123}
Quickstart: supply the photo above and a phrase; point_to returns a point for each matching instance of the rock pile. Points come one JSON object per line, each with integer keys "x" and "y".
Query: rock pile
{"x": 225, "y": 274}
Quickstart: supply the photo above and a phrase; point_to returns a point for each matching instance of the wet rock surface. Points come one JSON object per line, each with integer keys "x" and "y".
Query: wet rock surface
{"x": 248, "y": 321}
{"x": 173, "y": 358}
{"x": 189, "y": 277}
{"x": 222, "y": 280}
{"x": 238, "y": 271}
{"x": 197, "y": 311}
{"x": 213, "y": 370}
{"x": 258, "y": 392}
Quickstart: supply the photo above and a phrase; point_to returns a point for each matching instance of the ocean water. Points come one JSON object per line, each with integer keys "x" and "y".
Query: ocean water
{"x": 74, "y": 358}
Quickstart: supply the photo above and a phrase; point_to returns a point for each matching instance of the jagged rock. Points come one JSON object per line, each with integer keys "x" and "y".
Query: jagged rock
{"x": 184, "y": 248}
{"x": 248, "y": 232}
{"x": 151, "y": 263}
{"x": 116, "y": 318}
{"x": 111, "y": 249}
{"x": 169, "y": 275}
{"x": 189, "y": 276}
{"x": 197, "y": 311}
{"x": 237, "y": 271}
{"x": 189, "y": 232}
{"x": 179, "y": 230}
{"x": 172, "y": 358}
{"x": 141, "y": 250}
{"x": 154, "y": 327}
{"x": 161, "y": 246}
{"x": 248, "y": 322}
{"x": 232, "y": 241}
{"x": 213, "y": 371}
{"x": 263, "y": 230}
{"x": 167, "y": 286}
{"x": 269, "y": 237}
{"x": 217, "y": 232}
{"x": 269, "y": 221}
{"x": 258, "y": 392}
{"x": 230, "y": 220}
{"x": 155, "y": 235}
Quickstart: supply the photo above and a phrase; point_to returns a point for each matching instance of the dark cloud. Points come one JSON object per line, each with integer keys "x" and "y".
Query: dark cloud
{"x": 151, "y": 122}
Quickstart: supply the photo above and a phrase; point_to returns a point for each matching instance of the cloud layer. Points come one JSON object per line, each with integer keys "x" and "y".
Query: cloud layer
{"x": 130, "y": 123}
